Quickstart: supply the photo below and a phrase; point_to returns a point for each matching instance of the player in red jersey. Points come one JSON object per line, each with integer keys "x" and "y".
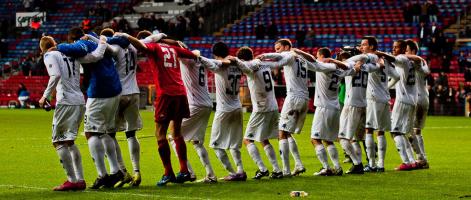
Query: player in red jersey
{"x": 171, "y": 103}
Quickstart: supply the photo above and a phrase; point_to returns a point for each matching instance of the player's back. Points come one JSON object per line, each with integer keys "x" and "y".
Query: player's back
{"x": 261, "y": 86}
{"x": 227, "y": 88}
{"x": 326, "y": 92}
{"x": 296, "y": 76}
{"x": 68, "y": 88}
{"x": 406, "y": 88}
{"x": 166, "y": 69}
{"x": 195, "y": 79}
{"x": 126, "y": 63}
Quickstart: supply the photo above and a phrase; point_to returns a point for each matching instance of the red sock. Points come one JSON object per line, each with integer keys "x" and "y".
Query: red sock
{"x": 164, "y": 152}
{"x": 181, "y": 151}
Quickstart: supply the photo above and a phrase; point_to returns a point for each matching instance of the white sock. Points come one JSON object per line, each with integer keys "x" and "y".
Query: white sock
{"x": 255, "y": 155}
{"x": 293, "y": 148}
{"x": 203, "y": 155}
{"x": 401, "y": 148}
{"x": 348, "y": 148}
{"x": 357, "y": 150}
{"x": 222, "y": 156}
{"x": 77, "y": 161}
{"x": 110, "y": 150}
{"x": 334, "y": 155}
{"x": 134, "y": 151}
{"x": 119, "y": 157}
{"x": 270, "y": 152}
{"x": 237, "y": 157}
{"x": 381, "y": 150}
{"x": 420, "y": 142}
{"x": 322, "y": 156}
{"x": 284, "y": 153}
{"x": 98, "y": 154}
{"x": 66, "y": 161}
{"x": 409, "y": 151}
{"x": 370, "y": 149}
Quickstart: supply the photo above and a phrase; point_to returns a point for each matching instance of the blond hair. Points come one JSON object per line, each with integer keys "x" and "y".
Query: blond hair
{"x": 46, "y": 43}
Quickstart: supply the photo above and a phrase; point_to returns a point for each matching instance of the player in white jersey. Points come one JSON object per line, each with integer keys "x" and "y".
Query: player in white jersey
{"x": 421, "y": 108}
{"x": 378, "y": 116}
{"x": 226, "y": 131}
{"x": 195, "y": 79}
{"x": 406, "y": 98}
{"x": 64, "y": 75}
{"x": 263, "y": 122}
{"x": 352, "y": 117}
{"x": 128, "y": 118}
{"x": 294, "y": 108}
{"x": 325, "y": 124}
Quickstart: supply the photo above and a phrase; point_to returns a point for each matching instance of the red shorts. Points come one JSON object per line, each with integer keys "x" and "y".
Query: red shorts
{"x": 169, "y": 108}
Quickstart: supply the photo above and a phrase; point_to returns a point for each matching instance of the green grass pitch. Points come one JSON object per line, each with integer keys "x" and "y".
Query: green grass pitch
{"x": 30, "y": 167}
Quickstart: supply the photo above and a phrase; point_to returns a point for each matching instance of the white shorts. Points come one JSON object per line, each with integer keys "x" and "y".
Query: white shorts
{"x": 100, "y": 115}
{"x": 293, "y": 114}
{"x": 128, "y": 117}
{"x": 325, "y": 125}
{"x": 226, "y": 132}
{"x": 194, "y": 128}
{"x": 352, "y": 122}
{"x": 378, "y": 116}
{"x": 262, "y": 126}
{"x": 66, "y": 122}
{"x": 421, "y": 110}
{"x": 402, "y": 116}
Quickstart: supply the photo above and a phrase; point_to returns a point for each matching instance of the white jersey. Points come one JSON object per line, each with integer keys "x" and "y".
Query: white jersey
{"x": 295, "y": 72}
{"x": 406, "y": 89}
{"x": 126, "y": 63}
{"x": 421, "y": 74}
{"x": 260, "y": 84}
{"x": 377, "y": 89}
{"x": 195, "y": 78}
{"x": 227, "y": 80}
{"x": 64, "y": 75}
{"x": 327, "y": 85}
{"x": 356, "y": 82}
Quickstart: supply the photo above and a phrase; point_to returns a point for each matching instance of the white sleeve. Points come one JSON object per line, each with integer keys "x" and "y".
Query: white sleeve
{"x": 275, "y": 56}
{"x": 424, "y": 68}
{"x": 354, "y": 59}
{"x": 53, "y": 69}
{"x": 93, "y": 38}
{"x": 246, "y": 67}
{"x": 114, "y": 49}
{"x": 371, "y": 67}
{"x": 321, "y": 67}
{"x": 392, "y": 72}
{"x": 401, "y": 60}
{"x": 392, "y": 82}
{"x": 282, "y": 61}
{"x": 95, "y": 55}
{"x": 211, "y": 64}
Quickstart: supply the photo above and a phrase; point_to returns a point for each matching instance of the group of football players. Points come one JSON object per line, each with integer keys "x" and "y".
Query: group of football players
{"x": 183, "y": 105}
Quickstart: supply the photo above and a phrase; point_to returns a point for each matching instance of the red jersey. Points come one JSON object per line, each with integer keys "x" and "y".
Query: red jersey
{"x": 166, "y": 68}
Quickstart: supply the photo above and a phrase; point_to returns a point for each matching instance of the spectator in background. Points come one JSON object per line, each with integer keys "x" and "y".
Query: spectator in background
{"x": 194, "y": 24}
{"x": 181, "y": 30}
{"x": 407, "y": 12}
{"x": 434, "y": 29}
{"x": 272, "y": 31}
{"x": 26, "y": 66}
{"x": 432, "y": 11}
{"x": 423, "y": 33}
{"x": 123, "y": 26}
{"x": 462, "y": 62}
{"x": 201, "y": 24}
{"x": 27, "y": 4}
{"x": 300, "y": 36}
{"x": 35, "y": 25}
{"x": 311, "y": 38}
{"x": 446, "y": 63}
{"x": 260, "y": 31}
{"x": 423, "y": 12}
{"x": 431, "y": 94}
{"x": 144, "y": 23}
{"x": 161, "y": 25}
{"x": 3, "y": 48}
{"x": 23, "y": 95}
{"x": 442, "y": 95}
{"x": 415, "y": 11}
{"x": 442, "y": 80}
{"x": 434, "y": 47}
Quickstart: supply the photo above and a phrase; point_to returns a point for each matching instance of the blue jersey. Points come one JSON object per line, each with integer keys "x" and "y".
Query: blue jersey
{"x": 103, "y": 79}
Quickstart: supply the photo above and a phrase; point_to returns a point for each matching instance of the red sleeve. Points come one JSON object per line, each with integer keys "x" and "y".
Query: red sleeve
{"x": 151, "y": 47}
{"x": 184, "y": 53}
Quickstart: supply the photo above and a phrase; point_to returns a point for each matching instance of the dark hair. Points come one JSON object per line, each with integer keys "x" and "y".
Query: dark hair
{"x": 245, "y": 53}
{"x": 412, "y": 45}
{"x": 372, "y": 41}
{"x": 402, "y": 44}
{"x": 143, "y": 34}
{"x": 343, "y": 55}
{"x": 75, "y": 33}
{"x": 108, "y": 32}
{"x": 324, "y": 51}
{"x": 220, "y": 49}
{"x": 284, "y": 42}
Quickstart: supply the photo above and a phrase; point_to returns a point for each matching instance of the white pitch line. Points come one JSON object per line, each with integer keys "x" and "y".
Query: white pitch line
{"x": 103, "y": 192}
